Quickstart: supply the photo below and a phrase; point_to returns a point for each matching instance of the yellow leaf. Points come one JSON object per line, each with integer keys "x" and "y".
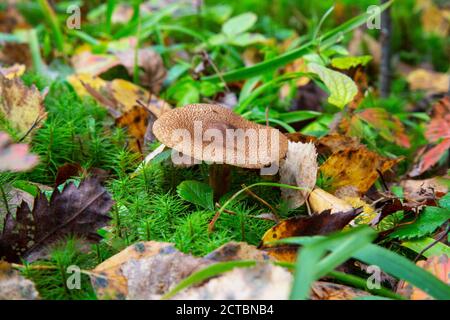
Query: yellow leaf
{"x": 355, "y": 167}
{"x": 21, "y": 106}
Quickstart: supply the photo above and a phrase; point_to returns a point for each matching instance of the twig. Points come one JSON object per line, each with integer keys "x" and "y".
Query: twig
{"x": 264, "y": 202}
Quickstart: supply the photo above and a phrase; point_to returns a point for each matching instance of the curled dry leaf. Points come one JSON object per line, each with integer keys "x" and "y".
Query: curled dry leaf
{"x": 15, "y": 156}
{"x": 319, "y": 224}
{"x": 73, "y": 211}
{"x": 13, "y": 286}
{"x": 438, "y": 266}
{"x": 21, "y": 106}
{"x": 262, "y": 282}
{"x": 320, "y": 201}
{"x": 298, "y": 169}
{"x": 355, "y": 167}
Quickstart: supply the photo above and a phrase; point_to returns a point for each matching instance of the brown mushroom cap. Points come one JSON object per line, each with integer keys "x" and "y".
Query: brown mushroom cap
{"x": 253, "y": 143}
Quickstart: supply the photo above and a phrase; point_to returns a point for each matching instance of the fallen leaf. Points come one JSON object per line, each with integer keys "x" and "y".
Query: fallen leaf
{"x": 419, "y": 190}
{"x": 299, "y": 168}
{"x": 434, "y": 19}
{"x": 145, "y": 270}
{"x": 332, "y": 291}
{"x": 430, "y": 158}
{"x": 21, "y": 106}
{"x": 73, "y": 211}
{"x": 85, "y": 62}
{"x": 428, "y": 81}
{"x": 15, "y": 156}
{"x": 438, "y": 266}
{"x": 13, "y": 286}
{"x": 13, "y": 71}
{"x": 262, "y": 282}
{"x": 11, "y": 19}
{"x": 319, "y": 224}
{"x": 355, "y": 167}
{"x": 15, "y": 52}
{"x": 237, "y": 251}
{"x": 138, "y": 122}
{"x": 320, "y": 201}
{"x": 152, "y": 66}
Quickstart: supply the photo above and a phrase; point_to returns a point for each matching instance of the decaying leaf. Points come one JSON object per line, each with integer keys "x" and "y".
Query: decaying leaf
{"x": 428, "y": 81}
{"x": 21, "y": 106}
{"x": 438, "y": 266}
{"x": 319, "y": 224}
{"x": 419, "y": 190}
{"x": 299, "y": 168}
{"x": 148, "y": 270}
{"x": 438, "y": 134}
{"x": 332, "y": 291}
{"x": 355, "y": 167}
{"x": 262, "y": 282}
{"x": 153, "y": 70}
{"x": 320, "y": 201}
{"x": 13, "y": 71}
{"x": 15, "y": 156}
{"x": 434, "y": 19}
{"x": 15, "y": 287}
{"x": 138, "y": 122}
{"x": 119, "y": 95}
{"x": 85, "y": 62}
{"x": 73, "y": 211}
{"x": 237, "y": 251}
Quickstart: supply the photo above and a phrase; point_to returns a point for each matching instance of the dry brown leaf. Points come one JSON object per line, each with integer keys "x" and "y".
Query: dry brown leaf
{"x": 299, "y": 168}
{"x": 428, "y": 81}
{"x": 85, "y": 62}
{"x": 14, "y": 52}
{"x": 262, "y": 282}
{"x": 15, "y": 287}
{"x": 332, "y": 291}
{"x": 22, "y": 106}
{"x": 355, "y": 167}
{"x": 145, "y": 270}
{"x": 419, "y": 190}
{"x": 438, "y": 266}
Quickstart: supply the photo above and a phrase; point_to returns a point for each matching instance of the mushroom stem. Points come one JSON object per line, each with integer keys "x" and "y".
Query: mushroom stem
{"x": 219, "y": 179}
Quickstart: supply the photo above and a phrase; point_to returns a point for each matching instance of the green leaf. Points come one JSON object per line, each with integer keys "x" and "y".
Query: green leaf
{"x": 429, "y": 220}
{"x": 342, "y": 88}
{"x": 239, "y": 24}
{"x": 310, "y": 267}
{"x": 327, "y": 39}
{"x": 391, "y": 263}
{"x": 345, "y": 63}
{"x": 197, "y": 193}
{"x": 437, "y": 249}
{"x": 444, "y": 202}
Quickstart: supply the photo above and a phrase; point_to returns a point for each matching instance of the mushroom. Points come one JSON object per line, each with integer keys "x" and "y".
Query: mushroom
{"x": 214, "y": 134}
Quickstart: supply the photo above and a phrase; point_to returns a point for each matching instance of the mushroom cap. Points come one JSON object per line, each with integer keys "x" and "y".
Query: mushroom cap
{"x": 213, "y": 133}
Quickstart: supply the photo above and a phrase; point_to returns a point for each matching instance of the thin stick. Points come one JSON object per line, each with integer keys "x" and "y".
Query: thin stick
{"x": 264, "y": 202}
